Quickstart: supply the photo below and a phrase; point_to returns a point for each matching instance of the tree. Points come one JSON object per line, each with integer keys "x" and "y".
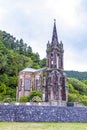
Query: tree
{"x": 43, "y": 63}
{"x": 1, "y": 42}
{"x": 78, "y": 85}
{"x": 25, "y": 49}
{"x": 21, "y": 47}
{"x": 2, "y": 89}
{"x": 29, "y": 51}
{"x": 3, "y": 62}
{"x": 4, "y": 79}
{"x": 36, "y": 58}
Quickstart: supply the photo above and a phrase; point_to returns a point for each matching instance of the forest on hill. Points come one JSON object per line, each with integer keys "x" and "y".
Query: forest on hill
{"x": 76, "y": 74}
{"x": 15, "y": 55}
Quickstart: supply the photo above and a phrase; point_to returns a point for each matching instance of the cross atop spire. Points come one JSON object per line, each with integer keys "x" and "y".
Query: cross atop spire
{"x": 54, "y": 35}
{"x": 55, "y": 20}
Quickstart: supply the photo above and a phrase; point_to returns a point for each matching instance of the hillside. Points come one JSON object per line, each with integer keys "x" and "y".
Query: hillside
{"x": 15, "y": 55}
{"x": 76, "y": 74}
{"x": 77, "y": 90}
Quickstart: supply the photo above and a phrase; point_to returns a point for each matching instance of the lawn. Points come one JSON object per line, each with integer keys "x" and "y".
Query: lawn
{"x": 42, "y": 126}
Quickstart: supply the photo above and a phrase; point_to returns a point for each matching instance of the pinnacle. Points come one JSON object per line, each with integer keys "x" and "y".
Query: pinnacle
{"x": 54, "y": 35}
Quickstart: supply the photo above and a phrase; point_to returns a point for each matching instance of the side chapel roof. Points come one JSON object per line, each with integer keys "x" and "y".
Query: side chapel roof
{"x": 32, "y": 70}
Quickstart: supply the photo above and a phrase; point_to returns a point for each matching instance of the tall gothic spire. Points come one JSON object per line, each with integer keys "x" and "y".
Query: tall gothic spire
{"x": 54, "y": 35}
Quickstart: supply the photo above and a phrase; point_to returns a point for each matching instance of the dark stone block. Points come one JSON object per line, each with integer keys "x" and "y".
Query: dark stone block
{"x": 70, "y": 104}
{"x": 25, "y": 113}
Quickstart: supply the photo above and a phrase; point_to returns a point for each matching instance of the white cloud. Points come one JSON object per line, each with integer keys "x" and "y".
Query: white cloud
{"x": 66, "y": 10}
{"x": 3, "y": 13}
{"x": 33, "y": 21}
{"x": 74, "y": 60}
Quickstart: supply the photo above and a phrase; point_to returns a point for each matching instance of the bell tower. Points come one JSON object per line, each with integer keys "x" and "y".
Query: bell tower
{"x": 55, "y": 51}
{"x": 56, "y": 80}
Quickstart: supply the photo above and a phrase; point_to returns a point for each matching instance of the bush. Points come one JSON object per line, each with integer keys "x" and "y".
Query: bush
{"x": 1, "y": 98}
{"x": 24, "y": 99}
{"x": 77, "y": 98}
{"x": 73, "y": 97}
{"x": 84, "y": 102}
{"x": 36, "y": 99}
{"x": 83, "y": 99}
{"x": 78, "y": 85}
{"x": 7, "y": 100}
{"x": 2, "y": 89}
{"x": 35, "y": 93}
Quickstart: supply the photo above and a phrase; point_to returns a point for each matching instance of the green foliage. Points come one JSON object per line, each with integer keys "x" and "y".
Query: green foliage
{"x": 13, "y": 81}
{"x": 70, "y": 87}
{"x": 4, "y": 79}
{"x": 78, "y": 85}
{"x": 1, "y": 98}
{"x": 43, "y": 63}
{"x": 2, "y": 89}
{"x": 77, "y": 75}
{"x": 7, "y": 100}
{"x": 29, "y": 51}
{"x": 24, "y": 99}
{"x": 36, "y": 99}
{"x": 77, "y": 91}
{"x": 77, "y": 98}
{"x": 11, "y": 92}
{"x": 84, "y": 81}
{"x": 15, "y": 55}
{"x": 73, "y": 97}
{"x": 83, "y": 99}
{"x": 34, "y": 93}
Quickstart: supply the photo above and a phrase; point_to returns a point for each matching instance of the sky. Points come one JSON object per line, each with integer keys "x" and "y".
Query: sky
{"x": 32, "y": 20}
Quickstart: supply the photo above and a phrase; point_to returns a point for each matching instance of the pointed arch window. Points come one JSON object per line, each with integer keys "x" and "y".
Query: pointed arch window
{"x": 37, "y": 84}
{"x": 20, "y": 84}
{"x": 52, "y": 63}
{"x": 27, "y": 84}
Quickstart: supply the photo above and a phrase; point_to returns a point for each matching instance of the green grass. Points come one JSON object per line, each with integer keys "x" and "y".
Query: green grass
{"x": 42, "y": 126}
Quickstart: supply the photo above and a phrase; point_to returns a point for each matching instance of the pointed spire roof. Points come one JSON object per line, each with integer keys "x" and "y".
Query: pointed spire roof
{"x": 54, "y": 35}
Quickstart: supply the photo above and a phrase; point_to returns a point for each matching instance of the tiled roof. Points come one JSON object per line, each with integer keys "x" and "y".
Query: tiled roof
{"x": 32, "y": 70}
{"x": 41, "y": 69}
{"x": 28, "y": 70}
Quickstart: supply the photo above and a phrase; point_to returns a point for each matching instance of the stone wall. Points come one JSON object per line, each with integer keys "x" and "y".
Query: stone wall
{"x": 27, "y": 113}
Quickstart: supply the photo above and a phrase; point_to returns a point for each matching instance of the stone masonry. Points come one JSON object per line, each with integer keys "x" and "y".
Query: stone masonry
{"x": 26, "y": 113}
{"x": 51, "y": 80}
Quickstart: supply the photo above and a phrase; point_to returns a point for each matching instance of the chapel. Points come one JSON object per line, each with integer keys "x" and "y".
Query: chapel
{"x": 51, "y": 80}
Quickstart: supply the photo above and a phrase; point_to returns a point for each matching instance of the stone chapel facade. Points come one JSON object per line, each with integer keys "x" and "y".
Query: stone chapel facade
{"x": 51, "y": 80}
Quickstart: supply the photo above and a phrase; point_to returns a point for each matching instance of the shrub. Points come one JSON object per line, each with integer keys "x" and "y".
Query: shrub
{"x": 1, "y": 98}
{"x": 2, "y": 89}
{"x": 84, "y": 102}
{"x": 24, "y": 99}
{"x": 78, "y": 85}
{"x": 77, "y": 98}
{"x": 70, "y": 87}
{"x": 7, "y": 100}
{"x": 35, "y": 93}
{"x": 36, "y": 99}
{"x": 83, "y": 99}
{"x": 73, "y": 97}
